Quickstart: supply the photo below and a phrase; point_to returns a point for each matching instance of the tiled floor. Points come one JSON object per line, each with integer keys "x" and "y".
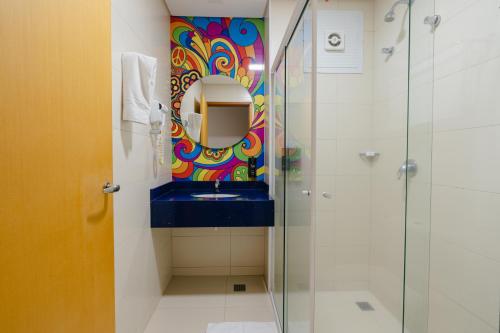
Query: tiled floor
{"x": 191, "y": 302}
{"x": 337, "y": 312}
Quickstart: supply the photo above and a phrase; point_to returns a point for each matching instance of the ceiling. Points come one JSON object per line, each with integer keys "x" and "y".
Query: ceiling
{"x": 217, "y": 8}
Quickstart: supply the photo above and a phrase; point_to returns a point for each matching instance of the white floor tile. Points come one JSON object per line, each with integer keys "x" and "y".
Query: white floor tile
{"x": 337, "y": 312}
{"x": 190, "y": 303}
{"x": 195, "y": 291}
{"x": 242, "y": 327}
{"x": 254, "y": 313}
{"x": 184, "y": 320}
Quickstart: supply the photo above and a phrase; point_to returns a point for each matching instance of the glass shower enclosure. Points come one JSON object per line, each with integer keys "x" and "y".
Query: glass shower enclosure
{"x": 293, "y": 152}
{"x": 386, "y": 144}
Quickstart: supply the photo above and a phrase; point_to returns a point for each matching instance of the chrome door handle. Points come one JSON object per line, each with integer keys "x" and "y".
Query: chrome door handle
{"x": 110, "y": 188}
{"x": 306, "y": 192}
{"x": 409, "y": 168}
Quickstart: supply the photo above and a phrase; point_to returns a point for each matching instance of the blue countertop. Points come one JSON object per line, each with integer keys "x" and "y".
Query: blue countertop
{"x": 173, "y": 205}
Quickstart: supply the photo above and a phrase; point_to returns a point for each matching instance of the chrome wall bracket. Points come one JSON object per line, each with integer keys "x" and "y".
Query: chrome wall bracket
{"x": 369, "y": 155}
{"x": 326, "y": 195}
{"x": 433, "y": 21}
{"x": 388, "y": 50}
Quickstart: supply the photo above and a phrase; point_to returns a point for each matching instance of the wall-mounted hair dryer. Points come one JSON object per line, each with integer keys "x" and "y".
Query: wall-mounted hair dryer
{"x": 157, "y": 117}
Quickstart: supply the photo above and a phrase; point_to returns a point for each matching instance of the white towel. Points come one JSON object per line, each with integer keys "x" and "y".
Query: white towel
{"x": 139, "y": 80}
{"x": 242, "y": 327}
{"x": 194, "y": 126}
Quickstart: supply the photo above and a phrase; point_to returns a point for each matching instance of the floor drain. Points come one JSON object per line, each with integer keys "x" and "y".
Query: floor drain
{"x": 239, "y": 287}
{"x": 365, "y": 306}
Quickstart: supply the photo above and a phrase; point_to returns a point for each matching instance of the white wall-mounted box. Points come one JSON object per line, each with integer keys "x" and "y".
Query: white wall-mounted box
{"x": 345, "y": 53}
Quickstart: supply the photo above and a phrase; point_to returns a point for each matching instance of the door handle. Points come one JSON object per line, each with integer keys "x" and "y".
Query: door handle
{"x": 409, "y": 168}
{"x": 109, "y": 188}
{"x": 306, "y": 192}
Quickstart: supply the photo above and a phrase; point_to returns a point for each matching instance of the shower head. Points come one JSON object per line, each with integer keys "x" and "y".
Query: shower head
{"x": 391, "y": 14}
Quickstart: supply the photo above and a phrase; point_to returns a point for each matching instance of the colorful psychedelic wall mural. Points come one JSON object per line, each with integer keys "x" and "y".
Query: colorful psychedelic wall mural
{"x": 203, "y": 46}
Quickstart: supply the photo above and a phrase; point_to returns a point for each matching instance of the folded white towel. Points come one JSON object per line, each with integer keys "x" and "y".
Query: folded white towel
{"x": 139, "y": 80}
{"x": 194, "y": 126}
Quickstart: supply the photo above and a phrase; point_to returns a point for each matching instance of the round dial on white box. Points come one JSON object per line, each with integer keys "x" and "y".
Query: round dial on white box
{"x": 334, "y": 41}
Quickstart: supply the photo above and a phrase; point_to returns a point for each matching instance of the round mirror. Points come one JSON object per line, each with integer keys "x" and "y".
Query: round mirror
{"x": 217, "y": 111}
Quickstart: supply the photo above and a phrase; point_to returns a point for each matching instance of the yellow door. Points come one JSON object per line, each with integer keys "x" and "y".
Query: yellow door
{"x": 56, "y": 225}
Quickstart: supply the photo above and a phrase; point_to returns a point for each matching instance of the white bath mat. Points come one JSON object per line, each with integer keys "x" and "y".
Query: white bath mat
{"x": 242, "y": 327}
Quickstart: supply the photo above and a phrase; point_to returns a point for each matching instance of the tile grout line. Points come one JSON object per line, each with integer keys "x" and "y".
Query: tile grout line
{"x": 225, "y": 297}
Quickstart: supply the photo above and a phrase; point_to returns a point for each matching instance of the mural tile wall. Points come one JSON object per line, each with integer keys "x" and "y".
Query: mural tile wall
{"x": 203, "y": 46}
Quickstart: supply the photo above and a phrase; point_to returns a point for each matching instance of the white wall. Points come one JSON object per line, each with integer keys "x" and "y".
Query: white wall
{"x": 389, "y": 139}
{"x": 453, "y": 252}
{"x": 344, "y": 128}
{"x": 218, "y": 251}
{"x": 465, "y": 230}
{"x": 360, "y": 231}
{"x": 142, "y": 255}
{"x": 279, "y": 13}
{"x": 453, "y": 266}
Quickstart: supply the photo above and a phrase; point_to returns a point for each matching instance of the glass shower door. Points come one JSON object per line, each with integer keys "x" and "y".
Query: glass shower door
{"x": 453, "y": 229}
{"x": 419, "y": 184}
{"x": 298, "y": 178}
{"x": 407, "y": 138}
{"x": 279, "y": 193}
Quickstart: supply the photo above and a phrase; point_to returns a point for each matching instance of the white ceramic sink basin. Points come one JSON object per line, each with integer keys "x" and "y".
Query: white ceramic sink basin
{"x": 215, "y": 195}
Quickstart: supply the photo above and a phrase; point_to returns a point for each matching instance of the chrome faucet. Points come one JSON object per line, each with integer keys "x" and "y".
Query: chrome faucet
{"x": 217, "y": 184}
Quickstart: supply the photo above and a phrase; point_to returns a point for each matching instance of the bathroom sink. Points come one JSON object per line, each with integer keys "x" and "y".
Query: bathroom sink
{"x": 197, "y": 204}
{"x": 215, "y": 195}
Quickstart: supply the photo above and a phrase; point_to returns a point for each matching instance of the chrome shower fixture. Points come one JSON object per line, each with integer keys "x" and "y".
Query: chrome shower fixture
{"x": 388, "y": 50}
{"x": 433, "y": 21}
{"x": 391, "y": 14}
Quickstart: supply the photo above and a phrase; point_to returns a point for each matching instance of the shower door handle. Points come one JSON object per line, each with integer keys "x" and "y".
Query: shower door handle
{"x": 409, "y": 168}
